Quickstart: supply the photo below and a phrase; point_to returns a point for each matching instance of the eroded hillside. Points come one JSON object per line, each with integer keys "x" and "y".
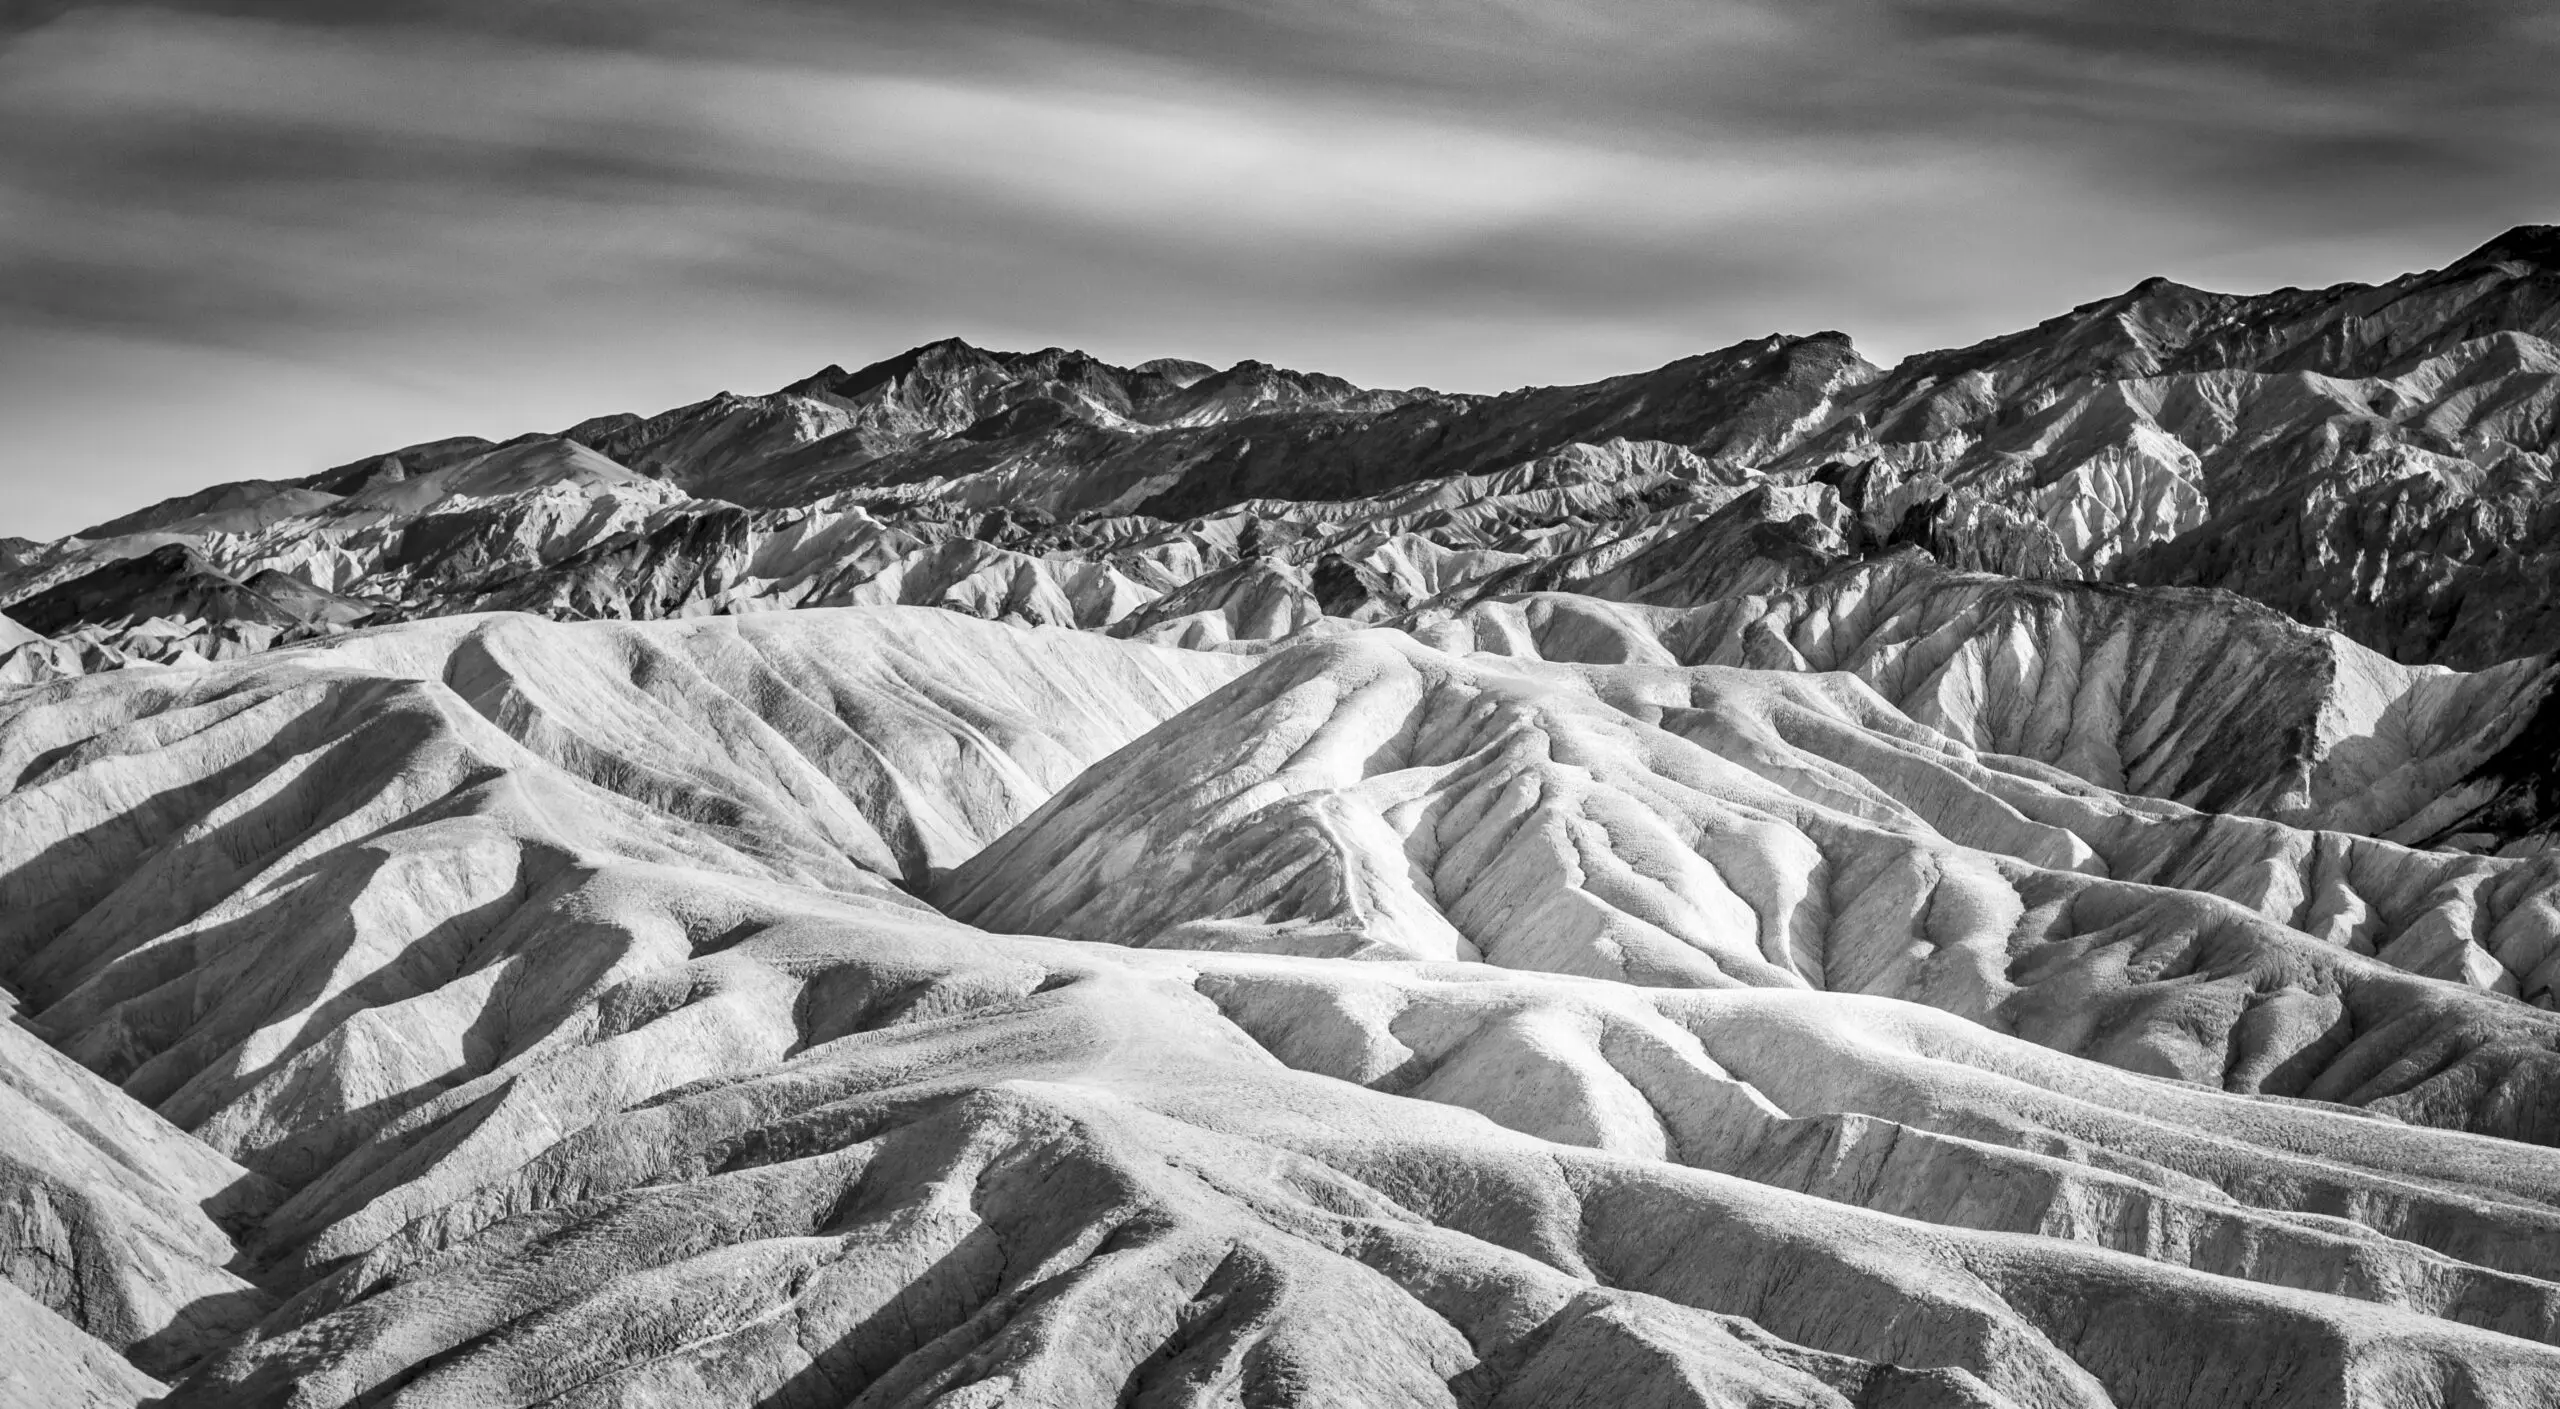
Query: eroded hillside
{"x": 1001, "y": 879}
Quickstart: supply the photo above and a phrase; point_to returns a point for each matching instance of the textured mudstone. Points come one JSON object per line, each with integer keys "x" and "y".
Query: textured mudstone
{"x": 1475, "y": 1030}
{"x": 1000, "y": 879}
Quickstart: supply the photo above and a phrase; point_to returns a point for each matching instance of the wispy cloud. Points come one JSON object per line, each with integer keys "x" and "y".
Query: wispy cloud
{"x": 487, "y": 216}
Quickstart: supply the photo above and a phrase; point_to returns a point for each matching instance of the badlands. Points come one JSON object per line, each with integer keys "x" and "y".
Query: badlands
{"x": 2023, "y": 878}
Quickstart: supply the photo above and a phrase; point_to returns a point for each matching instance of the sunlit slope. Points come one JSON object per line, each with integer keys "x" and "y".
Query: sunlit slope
{"x": 1713, "y": 827}
{"x": 2199, "y": 697}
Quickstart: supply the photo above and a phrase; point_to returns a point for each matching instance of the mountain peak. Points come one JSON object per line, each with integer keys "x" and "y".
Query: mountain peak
{"x": 2525, "y": 244}
{"x": 2157, "y": 289}
{"x": 836, "y": 380}
{"x": 1181, "y": 371}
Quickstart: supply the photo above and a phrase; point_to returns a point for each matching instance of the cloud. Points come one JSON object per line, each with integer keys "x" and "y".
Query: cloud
{"x": 347, "y": 182}
{"x": 538, "y": 211}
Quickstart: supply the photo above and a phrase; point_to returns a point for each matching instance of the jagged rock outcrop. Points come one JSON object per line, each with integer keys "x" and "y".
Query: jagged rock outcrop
{"x": 2374, "y": 459}
{"x": 2136, "y": 419}
{"x": 948, "y": 410}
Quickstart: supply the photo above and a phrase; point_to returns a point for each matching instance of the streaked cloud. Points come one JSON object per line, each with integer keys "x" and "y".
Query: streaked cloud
{"x": 327, "y": 232}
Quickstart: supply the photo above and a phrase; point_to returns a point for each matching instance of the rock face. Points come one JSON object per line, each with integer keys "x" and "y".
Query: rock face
{"x": 2019, "y": 879}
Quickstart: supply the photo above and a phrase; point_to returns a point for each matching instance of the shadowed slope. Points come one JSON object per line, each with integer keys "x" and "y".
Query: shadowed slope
{"x": 117, "y": 1229}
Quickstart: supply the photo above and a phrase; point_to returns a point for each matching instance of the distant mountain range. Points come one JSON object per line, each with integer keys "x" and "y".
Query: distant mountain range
{"x": 2373, "y": 459}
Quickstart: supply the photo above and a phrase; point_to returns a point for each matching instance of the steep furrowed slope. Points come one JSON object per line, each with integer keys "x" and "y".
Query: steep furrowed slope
{"x": 1366, "y": 796}
{"x": 2199, "y": 698}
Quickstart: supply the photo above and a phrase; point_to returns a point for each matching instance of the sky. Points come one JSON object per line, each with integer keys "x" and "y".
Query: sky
{"x": 257, "y": 238}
